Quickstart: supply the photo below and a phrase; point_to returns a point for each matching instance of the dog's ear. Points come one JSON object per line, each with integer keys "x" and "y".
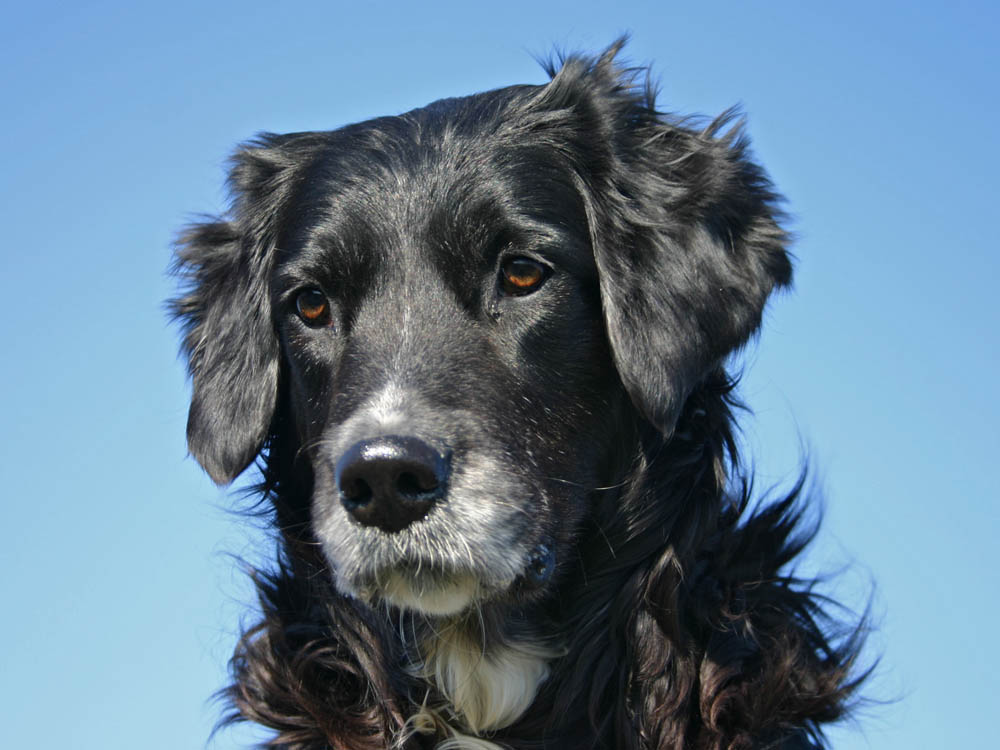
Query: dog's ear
{"x": 685, "y": 229}
{"x": 686, "y": 262}
{"x": 229, "y": 337}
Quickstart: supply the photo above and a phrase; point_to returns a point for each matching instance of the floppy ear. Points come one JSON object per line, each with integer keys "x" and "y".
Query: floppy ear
{"x": 685, "y": 231}
{"x": 689, "y": 264}
{"x": 229, "y": 337}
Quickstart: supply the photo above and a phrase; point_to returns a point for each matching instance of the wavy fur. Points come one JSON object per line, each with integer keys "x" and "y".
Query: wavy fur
{"x": 671, "y": 619}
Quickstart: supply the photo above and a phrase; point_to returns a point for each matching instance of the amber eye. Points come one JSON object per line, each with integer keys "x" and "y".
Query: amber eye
{"x": 313, "y": 308}
{"x": 520, "y": 276}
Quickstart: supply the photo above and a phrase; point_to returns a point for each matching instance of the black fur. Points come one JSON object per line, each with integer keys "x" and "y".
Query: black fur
{"x": 591, "y": 419}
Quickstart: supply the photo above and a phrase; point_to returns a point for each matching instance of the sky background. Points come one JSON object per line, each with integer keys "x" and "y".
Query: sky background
{"x": 120, "y": 596}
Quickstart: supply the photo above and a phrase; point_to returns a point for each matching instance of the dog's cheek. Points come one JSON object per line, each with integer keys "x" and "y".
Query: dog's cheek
{"x": 574, "y": 387}
{"x": 311, "y": 365}
{"x": 574, "y": 406}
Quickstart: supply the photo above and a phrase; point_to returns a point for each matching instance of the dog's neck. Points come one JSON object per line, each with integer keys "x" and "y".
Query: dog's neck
{"x": 487, "y": 680}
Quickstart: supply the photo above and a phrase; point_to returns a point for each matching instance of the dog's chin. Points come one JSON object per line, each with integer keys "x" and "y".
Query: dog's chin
{"x": 438, "y": 596}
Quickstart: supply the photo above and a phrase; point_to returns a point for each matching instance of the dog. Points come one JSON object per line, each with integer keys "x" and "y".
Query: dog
{"x": 478, "y": 352}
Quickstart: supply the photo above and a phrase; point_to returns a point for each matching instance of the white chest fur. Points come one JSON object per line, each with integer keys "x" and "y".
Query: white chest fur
{"x": 486, "y": 688}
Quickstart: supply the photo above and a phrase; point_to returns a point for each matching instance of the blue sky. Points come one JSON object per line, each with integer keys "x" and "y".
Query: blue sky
{"x": 121, "y": 598}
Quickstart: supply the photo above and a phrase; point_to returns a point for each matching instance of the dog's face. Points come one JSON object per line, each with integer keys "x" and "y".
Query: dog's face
{"x": 440, "y": 328}
{"x": 454, "y": 307}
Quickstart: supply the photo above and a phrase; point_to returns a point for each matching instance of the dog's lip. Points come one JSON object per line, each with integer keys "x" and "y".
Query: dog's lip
{"x": 533, "y": 560}
{"x": 423, "y": 576}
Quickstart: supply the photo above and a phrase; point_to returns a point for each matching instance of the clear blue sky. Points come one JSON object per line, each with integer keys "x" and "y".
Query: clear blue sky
{"x": 120, "y": 602}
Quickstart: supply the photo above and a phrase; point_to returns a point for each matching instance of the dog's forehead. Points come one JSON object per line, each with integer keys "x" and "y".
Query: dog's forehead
{"x": 437, "y": 185}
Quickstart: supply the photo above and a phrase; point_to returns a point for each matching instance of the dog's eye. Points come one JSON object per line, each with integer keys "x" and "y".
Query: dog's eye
{"x": 313, "y": 308}
{"x": 520, "y": 276}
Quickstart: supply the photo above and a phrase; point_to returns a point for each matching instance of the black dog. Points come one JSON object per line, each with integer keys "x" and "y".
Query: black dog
{"x": 479, "y": 351}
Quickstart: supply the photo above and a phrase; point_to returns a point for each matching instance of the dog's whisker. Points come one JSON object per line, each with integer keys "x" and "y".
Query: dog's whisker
{"x": 607, "y": 541}
{"x": 589, "y": 488}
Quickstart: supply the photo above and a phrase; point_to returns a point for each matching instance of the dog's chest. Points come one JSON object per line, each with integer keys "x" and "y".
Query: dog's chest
{"x": 485, "y": 688}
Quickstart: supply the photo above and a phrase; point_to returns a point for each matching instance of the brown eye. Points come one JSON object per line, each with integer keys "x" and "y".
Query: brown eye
{"x": 313, "y": 308}
{"x": 520, "y": 276}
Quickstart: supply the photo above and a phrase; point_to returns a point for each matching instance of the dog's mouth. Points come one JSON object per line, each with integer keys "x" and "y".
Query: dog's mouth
{"x": 477, "y": 539}
{"x": 428, "y": 589}
{"x": 443, "y": 593}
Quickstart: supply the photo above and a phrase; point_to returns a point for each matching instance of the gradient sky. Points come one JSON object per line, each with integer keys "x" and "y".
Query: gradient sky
{"x": 121, "y": 598}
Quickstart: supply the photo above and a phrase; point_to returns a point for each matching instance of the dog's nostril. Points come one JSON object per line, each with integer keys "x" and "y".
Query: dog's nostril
{"x": 356, "y": 491}
{"x": 412, "y": 484}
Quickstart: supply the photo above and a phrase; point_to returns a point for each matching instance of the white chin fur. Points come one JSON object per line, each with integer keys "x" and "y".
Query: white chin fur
{"x": 430, "y": 596}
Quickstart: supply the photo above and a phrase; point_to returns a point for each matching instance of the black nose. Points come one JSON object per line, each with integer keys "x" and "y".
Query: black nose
{"x": 391, "y": 481}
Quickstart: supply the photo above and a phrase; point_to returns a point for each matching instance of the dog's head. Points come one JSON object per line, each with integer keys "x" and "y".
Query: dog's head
{"x": 457, "y": 309}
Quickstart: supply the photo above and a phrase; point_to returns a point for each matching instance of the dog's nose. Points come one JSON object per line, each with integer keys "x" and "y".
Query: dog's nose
{"x": 391, "y": 481}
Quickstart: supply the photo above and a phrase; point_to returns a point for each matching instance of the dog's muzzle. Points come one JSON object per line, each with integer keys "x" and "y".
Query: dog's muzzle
{"x": 391, "y": 481}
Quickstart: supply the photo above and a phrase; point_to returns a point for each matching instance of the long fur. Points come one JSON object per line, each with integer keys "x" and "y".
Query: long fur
{"x": 672, "y": 620}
